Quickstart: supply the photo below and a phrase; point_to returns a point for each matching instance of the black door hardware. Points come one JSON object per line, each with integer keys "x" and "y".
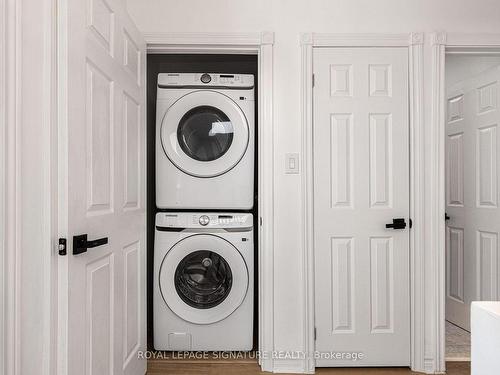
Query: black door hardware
{"x": 80, "y": 243}
{"x": 446, "y": 216}
{"x": 62, "y": 246}
{"x": 399, "y": 223}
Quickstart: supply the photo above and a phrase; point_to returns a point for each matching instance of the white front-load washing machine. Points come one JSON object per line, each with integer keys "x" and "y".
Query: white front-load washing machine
{"x": 203, "y": 281}
{"x": 205, "y": 132}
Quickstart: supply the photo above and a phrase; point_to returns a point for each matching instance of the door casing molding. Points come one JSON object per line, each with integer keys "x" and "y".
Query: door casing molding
{"x": 443, "y": 43}
{"x": 414, "y": 43}
{"x": 20, "y": 187}
{"x": 10, "y": 263}
{"x": 260, "y": 44}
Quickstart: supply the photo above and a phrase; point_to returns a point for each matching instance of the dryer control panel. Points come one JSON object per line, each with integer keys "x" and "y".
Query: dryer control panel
{"x": 211, "y": 80}
{"x": 185, "y": 220}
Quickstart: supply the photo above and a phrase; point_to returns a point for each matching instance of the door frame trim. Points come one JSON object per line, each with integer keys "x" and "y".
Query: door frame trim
{"x": 260, "y": 44}
{"x": 444, "y": 43}
{"x": 414, "y": 43}
{"x": 10, "y": 220}
{"x": 20, "y": 184}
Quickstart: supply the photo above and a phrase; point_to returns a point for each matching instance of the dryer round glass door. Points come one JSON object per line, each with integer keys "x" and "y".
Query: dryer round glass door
{"x": 203, "y": 279}
{"x": 204, "y": 133}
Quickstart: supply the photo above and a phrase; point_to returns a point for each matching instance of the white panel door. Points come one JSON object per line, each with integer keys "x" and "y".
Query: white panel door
{"x": 103, "y": 182}
{"x": 361, "y": 183}
{"x": 472, "y": 173}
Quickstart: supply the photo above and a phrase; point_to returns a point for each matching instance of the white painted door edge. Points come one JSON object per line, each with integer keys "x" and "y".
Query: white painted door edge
{"x": 414, "y": 43}
{"x": 443, "y": 43}
{"x": 260, "y": 44}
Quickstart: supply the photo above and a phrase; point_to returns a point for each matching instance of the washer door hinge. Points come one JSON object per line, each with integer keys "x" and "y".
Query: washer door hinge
{"x": 62, "y": 247}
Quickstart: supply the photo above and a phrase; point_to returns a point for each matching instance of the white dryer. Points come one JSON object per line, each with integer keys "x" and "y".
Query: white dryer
{"x": 203, "y": 281}
{"x": 205, "y": 132}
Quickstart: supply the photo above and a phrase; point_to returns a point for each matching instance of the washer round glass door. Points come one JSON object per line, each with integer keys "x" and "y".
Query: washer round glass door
{"x": 203, "y": 279}
{"x": 204, "y": 133}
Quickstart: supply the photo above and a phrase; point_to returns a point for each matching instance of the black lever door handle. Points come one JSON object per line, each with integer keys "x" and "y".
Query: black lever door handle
{"x": 81, "y": 244}
{"x": 446, "y": 216}
{"x": 398, "y": 223}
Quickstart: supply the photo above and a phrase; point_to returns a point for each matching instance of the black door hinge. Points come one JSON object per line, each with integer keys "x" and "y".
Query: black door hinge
{"x": 313, "y": 81}
{"x": 411, "y": 223}
{"x": 62, "y": 247}
{"x": 315, "y": 334}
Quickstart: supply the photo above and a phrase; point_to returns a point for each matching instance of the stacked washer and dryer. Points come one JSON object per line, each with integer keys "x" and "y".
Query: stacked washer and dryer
{"x": 204, "y": 253}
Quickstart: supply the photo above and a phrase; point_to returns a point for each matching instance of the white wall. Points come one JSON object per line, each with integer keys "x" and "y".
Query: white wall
{"x": 460, "y": 67}
{"x": 288, "y": 18}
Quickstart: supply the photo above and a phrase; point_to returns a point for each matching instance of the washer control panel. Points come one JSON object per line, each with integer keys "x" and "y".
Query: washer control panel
{"x": 185, "y": 220}
{"x": 182, "y": 80}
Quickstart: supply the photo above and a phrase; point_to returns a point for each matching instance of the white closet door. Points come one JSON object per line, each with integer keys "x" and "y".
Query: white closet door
{"x": 102, "y": 156}
{"x": 361, "y": 183}
{"x": 472, "y": 172}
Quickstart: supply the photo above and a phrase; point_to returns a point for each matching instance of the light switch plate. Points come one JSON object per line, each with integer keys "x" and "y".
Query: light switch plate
{"x": 292, "y": 163}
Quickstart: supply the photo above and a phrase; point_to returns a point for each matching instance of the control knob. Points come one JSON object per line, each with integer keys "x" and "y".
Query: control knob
{"x": 205, "y": 78}
{"x": 204, "y": 220}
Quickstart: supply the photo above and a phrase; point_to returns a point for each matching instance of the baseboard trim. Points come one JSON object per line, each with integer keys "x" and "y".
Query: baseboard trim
{"x": 291, "y": 366}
